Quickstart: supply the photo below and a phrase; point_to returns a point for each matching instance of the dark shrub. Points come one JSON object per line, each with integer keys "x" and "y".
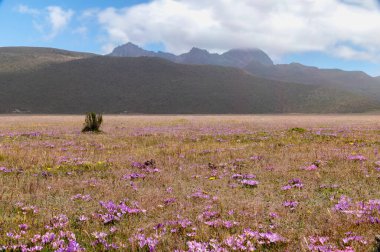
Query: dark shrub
{"x": 298, "y": 130}
{"x": 92, "y": 122}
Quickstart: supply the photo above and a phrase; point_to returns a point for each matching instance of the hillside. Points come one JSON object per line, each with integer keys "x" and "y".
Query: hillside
{"x": 353, "y": 81}
{"x": 152, "y": 85}
{"x": 22, "y": 59}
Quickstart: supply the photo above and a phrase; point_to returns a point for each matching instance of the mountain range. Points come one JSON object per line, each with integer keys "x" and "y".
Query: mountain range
{"x": 258, "y": 63}
{"x": 238, "y": 58}
{"x": 133, "y": 80}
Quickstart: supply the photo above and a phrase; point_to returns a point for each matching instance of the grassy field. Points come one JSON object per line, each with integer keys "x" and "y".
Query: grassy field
{"x": 190, "y": 183}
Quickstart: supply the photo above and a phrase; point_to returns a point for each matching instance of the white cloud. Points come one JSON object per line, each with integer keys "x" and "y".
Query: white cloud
{"x": 49, "y": 21}
{"x": 89, "y": 13}
{"x": 82, "y": 30}
{"x": 24, "y": 9}
{"x": 58, "y": 19}
{"x": 347, "y": 52}
{"x": 278, "y": 27}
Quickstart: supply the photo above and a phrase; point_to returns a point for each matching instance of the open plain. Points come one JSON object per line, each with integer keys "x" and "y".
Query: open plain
{"x": 190, "y": 183}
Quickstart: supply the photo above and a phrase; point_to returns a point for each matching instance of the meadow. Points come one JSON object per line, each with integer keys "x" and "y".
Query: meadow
{"x": 190, "y": 183}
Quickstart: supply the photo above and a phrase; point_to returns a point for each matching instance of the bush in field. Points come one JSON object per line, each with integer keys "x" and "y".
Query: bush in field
{"x": 92, "y": 122}
{"x": 298, "y": 130}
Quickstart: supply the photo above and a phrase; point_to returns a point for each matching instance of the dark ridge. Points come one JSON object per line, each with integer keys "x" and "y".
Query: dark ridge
{"x": 156, "y": 86}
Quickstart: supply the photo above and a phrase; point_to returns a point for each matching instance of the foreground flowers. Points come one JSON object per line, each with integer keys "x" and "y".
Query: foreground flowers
{"x": 247, "y": 241}
{"x": 57, "y": 238}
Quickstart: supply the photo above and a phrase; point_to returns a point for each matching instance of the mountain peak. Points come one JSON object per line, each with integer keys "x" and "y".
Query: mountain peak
{"x": 243, "y": 57}
{"x": 130, "y": 50}
{"x": 198, "y": 50}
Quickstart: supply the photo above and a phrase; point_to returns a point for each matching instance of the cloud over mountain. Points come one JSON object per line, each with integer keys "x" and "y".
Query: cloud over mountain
{"x": 343, "y": 28}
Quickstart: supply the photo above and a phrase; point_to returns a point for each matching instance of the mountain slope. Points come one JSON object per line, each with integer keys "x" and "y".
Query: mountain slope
{"x": 21, "y": 59}
{"x": 353, "y": 81}
{"x": 152, "y": 85}
{"x": 259, "y": 64}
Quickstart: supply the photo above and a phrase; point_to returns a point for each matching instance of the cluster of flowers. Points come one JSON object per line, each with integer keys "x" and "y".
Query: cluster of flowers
{"x": 247, "y": 241}
{"x": 211, "y": 218}
{"x": 26, "y": 209}
{"x": 332, "y": 186}
{"x": 24, "y": 134}
{"x": 356, "y": 158}
{"x": 326, "y": 134}
{"x": 71, "y": 160}
{"x": 256, "y": 158}
{"x": 291, "y": 204}
{"x": 312, "y": 167}
{"x": 293, "y": 183}
{"x": 221, "y": 223}
{"x": 79, "y": 196}
{"x": 101, "y": 243}
{"x": 321, "y": 243}
{"x": 199, "y": 195}
{"x": 144, "y": 242}
{"x": 134, "y": 176}
{"x": 180, "y": 226}
{"x": 147, "y": 167}
{"x": 6, "y": 170}
{"x": 114, "y": 212}
{"x": 56, "y": 238}
{"x": 246, "y": 180}
{"x": 366, "y": 212}
{"x": 377, "y": 167}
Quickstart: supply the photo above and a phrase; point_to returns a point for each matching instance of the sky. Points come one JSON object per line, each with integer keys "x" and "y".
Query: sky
{"x": 342, "y": 34}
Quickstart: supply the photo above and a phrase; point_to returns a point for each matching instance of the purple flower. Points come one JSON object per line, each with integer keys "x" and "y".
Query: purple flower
{"x": 199, "y": 194}
{"x": 5, "y": 170}
{"x": 244, "y": 176}
{"x": 79, "y": 196}
{"x": 293, "y": 183}
{"x": 311, "y": 167}
{"x": 207, "y": 215}
{"x": 169, "y": 201}
{"x": 145, "y": 242}
{"x": 291, "y": 204}
{"x": 47, "y": 238}
{"x": 357, "y": 158}
{"x": 134, "y": 176}
{"x": 23, "y": 227}
{"x": 237, "y": 176}
{"x": 287, "y": 187}
{"x": 99, "y": 235}
{"x": 354, "y": 238}
{"x": 137, "y": 165}
{"x": 249, "y": 183}
{"x": 256, "y": 158}
{"x": 343, "y": 204}
{"x": 220, "y": 223}
{"x": 114, "y": 212}
{"x": 82, "y": 218}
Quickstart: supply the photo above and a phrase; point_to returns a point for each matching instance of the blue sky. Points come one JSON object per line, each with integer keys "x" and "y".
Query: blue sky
{"x": 341, "y": 34}
{"x": 18, "y": 29}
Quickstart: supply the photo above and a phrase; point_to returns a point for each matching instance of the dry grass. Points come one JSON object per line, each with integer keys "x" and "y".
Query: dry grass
{"x": 48, "y": 161}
